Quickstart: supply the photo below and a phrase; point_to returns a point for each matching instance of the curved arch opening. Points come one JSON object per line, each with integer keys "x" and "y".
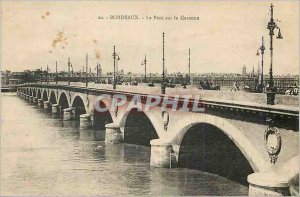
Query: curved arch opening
{"x": 100, "y": 120}
{"x": 52, "y": 98}
{"x": 79, "y": 106}
{"x": 39, "y": 94}
{"x": 30, "y": 92}
{"x": 27, "y": 91}
{"x": 63, "y": 102}
{"x": 45, "y": 96}
{"x": 34, "y": 93}
{"x": 138, "y": 128}
{"x": 207, "y": 148}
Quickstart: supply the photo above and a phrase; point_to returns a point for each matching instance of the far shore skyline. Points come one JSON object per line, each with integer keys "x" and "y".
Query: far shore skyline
{"x": 184, "y": 73}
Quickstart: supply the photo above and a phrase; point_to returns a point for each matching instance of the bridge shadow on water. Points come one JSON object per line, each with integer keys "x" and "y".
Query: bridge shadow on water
{"x": 206, "y": 148}
{"x": 139, "y": 129}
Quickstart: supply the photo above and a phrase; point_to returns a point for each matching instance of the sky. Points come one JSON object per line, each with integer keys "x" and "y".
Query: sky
{"x": 226, "y": 36}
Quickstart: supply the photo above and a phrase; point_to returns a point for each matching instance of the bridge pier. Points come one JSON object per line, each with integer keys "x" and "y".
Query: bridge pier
{"x": 113, "y": 134}
{"x": 27, "y": 97}
{"x": 40, "y": 103}
{"x": 55, "y": 109}
{"x": 69, "y": 114}
{"x": 267, "y": 184}
{"x": 46, "y": 105}
{"x": 162, "y": 154}
{"x": 85, "y": 121}
{"x": 35, "y": 100}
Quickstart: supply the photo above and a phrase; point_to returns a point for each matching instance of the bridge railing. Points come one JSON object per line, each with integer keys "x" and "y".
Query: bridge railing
{"x": 242, "y": 105}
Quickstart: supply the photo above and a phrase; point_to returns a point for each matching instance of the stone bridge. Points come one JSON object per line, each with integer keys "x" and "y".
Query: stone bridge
{"x": 229, "y": 137}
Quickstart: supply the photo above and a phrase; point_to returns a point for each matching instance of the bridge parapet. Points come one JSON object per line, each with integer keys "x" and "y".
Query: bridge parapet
{"x": 252, "y": 100}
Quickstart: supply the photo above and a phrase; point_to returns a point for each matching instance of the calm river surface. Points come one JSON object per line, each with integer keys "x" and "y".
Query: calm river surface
{"x": 42, "y": 155}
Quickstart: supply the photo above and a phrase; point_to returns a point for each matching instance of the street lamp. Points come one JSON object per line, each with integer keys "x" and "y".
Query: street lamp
{"x": 41, "y": 75}
{"x": 145, "y": 63}
{"x": 47, "y": 75}
{"x": 97, "y": 68}
{"x": 117, "y": 69}
{"x": 69, "y": 66}
{"x": 271, "y": 91}
{"x": 56, "y": 72}
{"x": 163, "y": 85}
{"x": 262, "y": 50}
{"x": 97, "y": 71}
{"x": 187, "y": 81}
{"x": 189, "y": 66}
{"x": 118, "y": 58}
{"x": 86, "y": 70}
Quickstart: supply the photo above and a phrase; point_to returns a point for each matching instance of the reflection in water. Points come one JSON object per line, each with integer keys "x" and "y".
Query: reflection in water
{"x": 43, "y": 155}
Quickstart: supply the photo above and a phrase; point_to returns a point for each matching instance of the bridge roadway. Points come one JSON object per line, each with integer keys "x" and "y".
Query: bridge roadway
{"x": 242, "y": 116}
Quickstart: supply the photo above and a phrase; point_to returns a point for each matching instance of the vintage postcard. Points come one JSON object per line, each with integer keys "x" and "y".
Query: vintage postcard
{"x": 155, "y": 98}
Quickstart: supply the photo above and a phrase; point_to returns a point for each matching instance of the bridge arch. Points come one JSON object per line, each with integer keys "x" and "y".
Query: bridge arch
{"x": 102, "y": 118}
{"x": 249, "y": 151}
{"x": 52, "y": 98}
{"x": 45, "y": 96}
{"x": 63, "y": 101}
{"x": 30, "y": 92}
{"x": 39, "y": 94}
{"x": 207, "y": 148}
{"x": 152, "y": 115}
{"x": 138, "y": 128}
{"x": 79, "y": 105}
{"x": 27, "y": 91}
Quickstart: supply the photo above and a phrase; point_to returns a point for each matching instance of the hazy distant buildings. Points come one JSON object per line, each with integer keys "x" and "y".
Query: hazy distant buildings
{"x": 225, "y": 80}
{"x": 244, "y": 71}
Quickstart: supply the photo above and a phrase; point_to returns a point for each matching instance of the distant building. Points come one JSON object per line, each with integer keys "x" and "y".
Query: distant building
{"x": 5, "y": 76}
{"x": 244, "y": 71}
{"x": 19, "y": 77}
{"x": 14, "y": 81}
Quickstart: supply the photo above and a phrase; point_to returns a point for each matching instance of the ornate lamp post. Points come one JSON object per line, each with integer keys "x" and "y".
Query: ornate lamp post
{"x": 145, "y": 63}
{"x": 115, "y": 55}
{"x": 163, "y": 85}
{"x": 271, "y": 91}
{"x": 41, "y": 75}
{"x": 86, "y": 70}
{"x": 189, "y": 79}
{"x": 117, "y": 68}
{"x": 97, "y": 71}
{"x": 262, "y": 50}
{"x": 72, "y": 71}
{"x": 97, "y": 68}
{"x": 47, "y": 75}
{"x": 56, "y": 72}
{"x": 69, "y": 66}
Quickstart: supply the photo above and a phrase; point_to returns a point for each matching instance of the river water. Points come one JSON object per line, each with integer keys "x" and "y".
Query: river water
{"x": 43, "y": 155}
